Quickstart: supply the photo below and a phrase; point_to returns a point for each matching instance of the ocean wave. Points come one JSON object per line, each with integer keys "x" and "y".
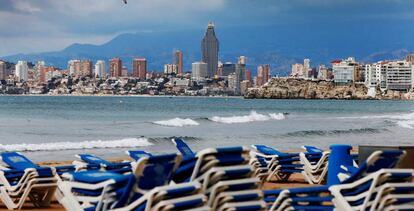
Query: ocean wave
{"x": 177, "y": 122}
{"x": 122, "y": 143}
{"x": 305, "y": 133}
{"x": 406, "y": 124}
{"x": 252, "y": 117}
{"x": 404, "y": 120}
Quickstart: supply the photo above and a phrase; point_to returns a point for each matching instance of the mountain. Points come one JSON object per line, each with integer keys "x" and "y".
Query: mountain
{"x": 277, "y": 45}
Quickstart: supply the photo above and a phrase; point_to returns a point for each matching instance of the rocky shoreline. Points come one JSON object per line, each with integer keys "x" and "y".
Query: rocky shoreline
{"x": 292, "y": 88}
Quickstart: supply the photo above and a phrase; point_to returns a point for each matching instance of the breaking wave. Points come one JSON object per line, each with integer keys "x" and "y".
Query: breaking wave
{"x": 306, "y": 133}
{"x": 177, "y": 122}
{"x": 252, "y": 117}
{"x": 122, "y": 143}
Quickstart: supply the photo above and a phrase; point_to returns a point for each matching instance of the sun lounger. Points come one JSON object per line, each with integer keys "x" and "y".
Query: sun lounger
{"x": 25, "y": 180}
{"x": 90, "y": 159}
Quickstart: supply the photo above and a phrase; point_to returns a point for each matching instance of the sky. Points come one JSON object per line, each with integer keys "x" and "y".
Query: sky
{"x": 28, "y": 26}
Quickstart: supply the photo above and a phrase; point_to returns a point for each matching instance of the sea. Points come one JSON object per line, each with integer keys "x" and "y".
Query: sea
{"x": 55, "y": 128}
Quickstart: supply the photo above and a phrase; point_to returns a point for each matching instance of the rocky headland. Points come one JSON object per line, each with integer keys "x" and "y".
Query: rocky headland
{"x": 292, "y": 88}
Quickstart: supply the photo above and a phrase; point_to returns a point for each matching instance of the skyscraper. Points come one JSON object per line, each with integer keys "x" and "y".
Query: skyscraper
{"x": 209, "y": 50}
{"x": 178, "y": 60}
{"x": 139, "y": 68}
{"x": 115, "y": 67}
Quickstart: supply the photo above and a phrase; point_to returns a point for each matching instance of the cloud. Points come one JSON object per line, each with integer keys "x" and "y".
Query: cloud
{"x": 34, "y": 21}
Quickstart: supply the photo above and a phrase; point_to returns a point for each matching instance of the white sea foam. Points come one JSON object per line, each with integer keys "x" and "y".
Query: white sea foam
{"x": 53, "y": 146}
{"x": 277, "y": 116}
{"x": 252, "y": 117}
{"x": 177, "y": 122}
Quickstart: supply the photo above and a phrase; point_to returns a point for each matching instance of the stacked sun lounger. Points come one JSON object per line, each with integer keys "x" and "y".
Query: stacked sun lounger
{"x": 21, "y": 179}
{"x": 273, "y": 164}
{"x": 375, "y": 185}
{"x": 226, "y": 177}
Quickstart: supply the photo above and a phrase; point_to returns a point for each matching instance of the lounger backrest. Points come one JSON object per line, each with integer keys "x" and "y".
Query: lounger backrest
{"x": 312, "y": 149}
{"x": 156, "y": 171}
{"x": 267, "y": 150}
{"x": 224, "y": 156}
{"x": 385, "y": 159}
{"x": 137, "y": 154}
{"x": 17, "y": 161}
{"x": 20, "y": 162}
{"x": 183, "y": 148}
{"x": 92, "y": 159}
{"x": 376, "y": 161}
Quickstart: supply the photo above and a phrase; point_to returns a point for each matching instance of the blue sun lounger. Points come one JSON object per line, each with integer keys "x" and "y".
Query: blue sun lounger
{"x": 25, "y": 179}
{"x": 93, "y": 160}
{"x": 144, "y": 189}
{"x": 279, "y": 164}
{"x": 357, "y": 192}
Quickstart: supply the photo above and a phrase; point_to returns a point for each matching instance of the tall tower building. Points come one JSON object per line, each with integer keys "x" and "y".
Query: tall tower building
{"x": 139, "y": 68}
{"x": 3, "y": 71}
{"x": 115, "y": 67}
{"x": 100, "y": 69}
{"x": 178, "y": 60}
{"x": 22, "y": 71}
{"x": 209, "y": 50}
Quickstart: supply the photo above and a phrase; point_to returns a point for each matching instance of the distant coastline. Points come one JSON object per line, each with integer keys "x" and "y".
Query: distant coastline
{"x": 292, "y": 88}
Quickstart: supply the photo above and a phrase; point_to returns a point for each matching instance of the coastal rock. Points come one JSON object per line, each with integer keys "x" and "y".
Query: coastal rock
{"x": 293, "y": 88}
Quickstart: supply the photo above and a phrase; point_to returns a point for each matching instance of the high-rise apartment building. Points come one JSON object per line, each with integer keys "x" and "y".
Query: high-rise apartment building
{"x": 171, "y": 69}
{"x": 85, "y": 68}
{"x": 80, "y": 68}
{"x": 410, "y": 58}
{"x": 209, "y": 50}
{"x": 322, "y": 72}
{"x": 139, "y": 68}
{"x": 399, "y": 75}
{"x": 178, "y": 61}
{"x": 73, "y": 66}
{"x": 115, "y": 67}
{"x": 345, "y": 71}
{"x": 297, "y": 70}
{"x": 199, "y": 70}
{"x": 263, "y": 74}
{"x": 21, "y": 71}
{"x": 100, "y": 69}
{"x": 3, "y": 70}
{"x": 249, "y": 75}
{"x": 228, "y": 68}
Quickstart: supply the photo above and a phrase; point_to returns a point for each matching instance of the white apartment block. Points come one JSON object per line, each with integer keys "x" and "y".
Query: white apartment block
{"x": 345, "y": 71}
{"x": 21, "y": 71}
